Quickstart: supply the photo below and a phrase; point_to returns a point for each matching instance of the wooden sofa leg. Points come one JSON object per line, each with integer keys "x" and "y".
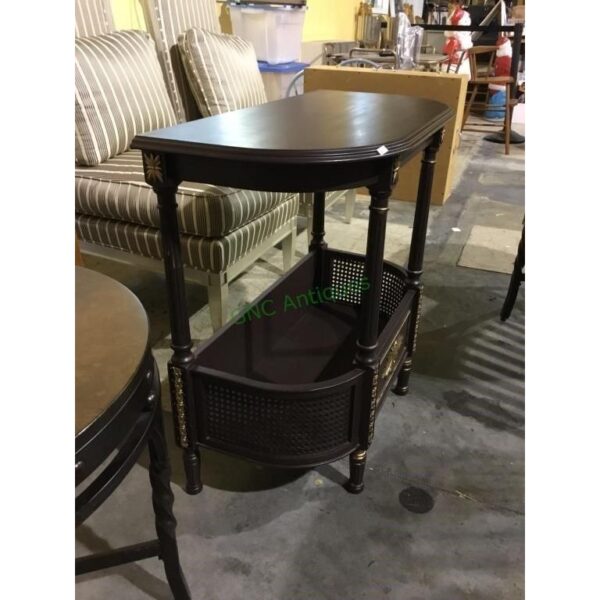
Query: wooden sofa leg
{"x": 288, "y": 247}
{"x": 350, "y": 202}
{"x": 218, "y": 292}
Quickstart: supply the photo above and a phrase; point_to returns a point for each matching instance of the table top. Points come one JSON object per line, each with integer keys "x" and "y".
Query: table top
{"x": 111, "y": 340}
{"x": 323, "y": 126}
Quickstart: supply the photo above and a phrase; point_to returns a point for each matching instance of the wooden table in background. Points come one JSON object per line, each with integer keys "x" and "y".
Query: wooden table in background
{"x": 118, "y": 414}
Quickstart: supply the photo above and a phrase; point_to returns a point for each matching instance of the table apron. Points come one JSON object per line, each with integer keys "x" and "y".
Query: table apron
{"x": 284, "y": 176}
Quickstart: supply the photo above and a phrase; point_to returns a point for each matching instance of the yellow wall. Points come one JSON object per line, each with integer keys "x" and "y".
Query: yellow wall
{"x": 330, "y": 20}
{"x": 325, "y": 19}
{"x": 128, "y": 14}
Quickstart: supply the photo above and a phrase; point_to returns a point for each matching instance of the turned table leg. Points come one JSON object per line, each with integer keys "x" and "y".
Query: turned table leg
{"x": 358, "y": 463}
{"x": 318, "y": 222}
{"x": 417, "y": 253}
{"x": 181, "y": 342}
{"x": 366, "y": 346}
{"x": 191, "y": 466}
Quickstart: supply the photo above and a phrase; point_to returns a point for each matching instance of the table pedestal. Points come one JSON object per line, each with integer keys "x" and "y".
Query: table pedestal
{"x": 118, "y": 414}
{"x": 165, "y": 546}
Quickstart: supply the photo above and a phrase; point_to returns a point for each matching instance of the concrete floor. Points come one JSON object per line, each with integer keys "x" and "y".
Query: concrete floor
{"x": 260, "y": 533}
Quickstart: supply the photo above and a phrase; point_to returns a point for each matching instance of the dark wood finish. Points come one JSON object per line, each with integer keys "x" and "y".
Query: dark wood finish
{"x": 298, "y": 387}
{"x": 162, "y": 502}
{"x": 322, "y": 127}
{"x": 181, "y": 341}
{"x": 180, "y": 329}
{"x": 118, "y": 412}
{"x": 516, "y": 278}
{"x": 449, "y": 89}
{"x": 114, "y": 558}
{"x": 318, "y": 222}
{"x": 369, "y": 316}
{"x": 417, "y": 255}
{"x": 111, "y": 339}
{"x": 312, "y": 363}
{"x": 358, "y": 463}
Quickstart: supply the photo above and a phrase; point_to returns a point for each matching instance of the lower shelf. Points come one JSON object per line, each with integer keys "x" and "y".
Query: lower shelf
{"x": 279, "y": 385}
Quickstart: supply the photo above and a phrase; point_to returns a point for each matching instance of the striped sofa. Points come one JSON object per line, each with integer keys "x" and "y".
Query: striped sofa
{"x": 223, "y": 230}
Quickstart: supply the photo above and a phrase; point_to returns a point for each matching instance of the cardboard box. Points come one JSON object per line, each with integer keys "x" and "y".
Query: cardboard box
{"x": 448, "y": 88}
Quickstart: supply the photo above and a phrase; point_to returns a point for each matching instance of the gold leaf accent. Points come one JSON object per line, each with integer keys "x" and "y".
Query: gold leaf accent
{"x": 359, "y": 455}
{"x": 373, "y": 406}
{"x": 417, "y": 320}
{"x": 153, "y": 167}
{"x": 179, "y": 406}
{"x": 391, "y": 358}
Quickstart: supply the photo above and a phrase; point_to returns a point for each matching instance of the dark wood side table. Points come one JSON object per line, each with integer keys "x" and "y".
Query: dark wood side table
{"x": 117, "y": 394}
{"x": 300, "y": 387}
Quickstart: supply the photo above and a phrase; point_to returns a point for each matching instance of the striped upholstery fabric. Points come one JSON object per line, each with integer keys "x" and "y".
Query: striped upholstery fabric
{"x": 116, "y": 190}
{"x": 214, "y": 254}
{"x": 167, "y": 20}
{"x": 93, "y": 17}
{"x": 120, "y": 92}
{"x": 222, "y": 71}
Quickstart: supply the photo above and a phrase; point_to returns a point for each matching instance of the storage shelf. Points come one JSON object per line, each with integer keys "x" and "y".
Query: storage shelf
{"x": 279, "y": 384}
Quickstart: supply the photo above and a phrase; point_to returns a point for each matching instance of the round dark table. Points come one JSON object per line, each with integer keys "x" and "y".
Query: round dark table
{"x": 118, "y": 414}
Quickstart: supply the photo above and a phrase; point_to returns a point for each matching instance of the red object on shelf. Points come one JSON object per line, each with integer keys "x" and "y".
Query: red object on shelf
{"x": 457, "y": 41}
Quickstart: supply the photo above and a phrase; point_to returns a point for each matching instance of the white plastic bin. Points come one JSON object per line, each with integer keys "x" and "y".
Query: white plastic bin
{"x": 277, "y": 78}
{"x": 274, "y": 31}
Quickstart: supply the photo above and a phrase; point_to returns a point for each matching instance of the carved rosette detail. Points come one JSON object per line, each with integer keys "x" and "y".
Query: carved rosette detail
{"x": 178, "y": 402}
{"x": 153, "y": 167}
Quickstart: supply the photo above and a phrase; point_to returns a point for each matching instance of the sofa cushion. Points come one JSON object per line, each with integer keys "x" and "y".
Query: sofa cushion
{"x": 167, "y": 20}
{"x": 205, "y": 254}
{"x": 119, "y": 92}
{"x": 222, "y": 71}
{"x": 93, "y": 17}
{"x": 116, "y": 190}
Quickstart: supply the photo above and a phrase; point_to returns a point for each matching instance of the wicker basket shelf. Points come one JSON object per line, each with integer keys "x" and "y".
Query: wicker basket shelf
{"x": 279, "y": 385}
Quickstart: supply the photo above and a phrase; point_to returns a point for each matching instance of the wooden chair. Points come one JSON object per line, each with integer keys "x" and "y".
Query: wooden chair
{"x": 481, "y": 79}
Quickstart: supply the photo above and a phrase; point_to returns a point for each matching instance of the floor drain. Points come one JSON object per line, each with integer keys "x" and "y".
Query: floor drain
{"x": 416, "y": 500}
